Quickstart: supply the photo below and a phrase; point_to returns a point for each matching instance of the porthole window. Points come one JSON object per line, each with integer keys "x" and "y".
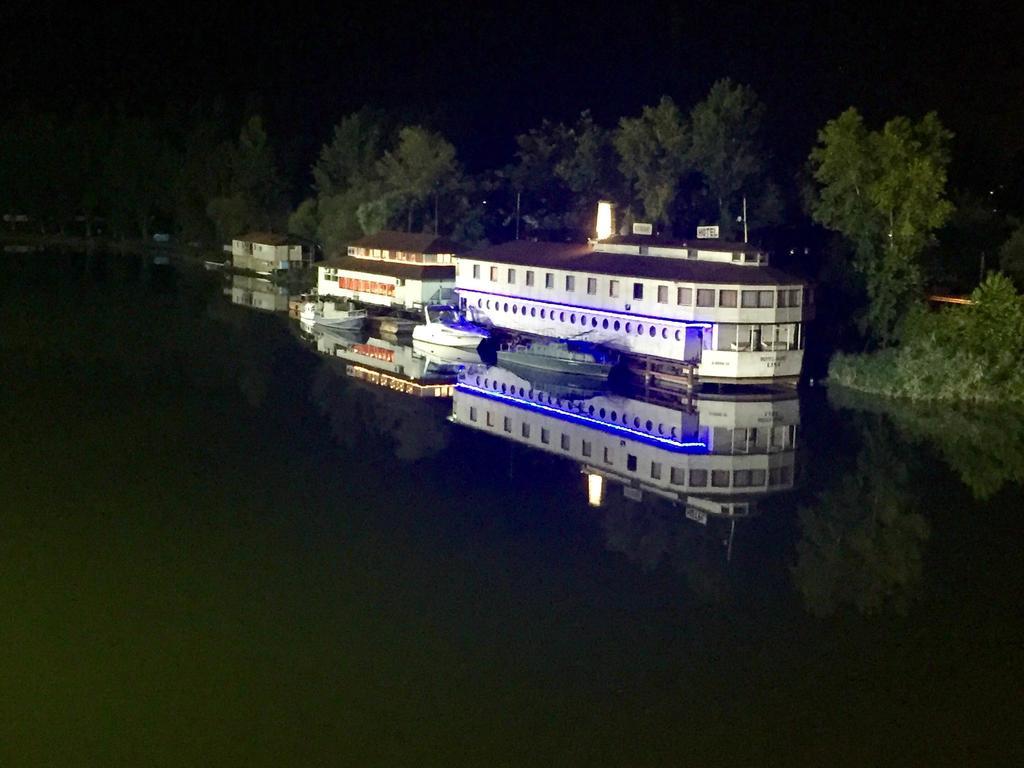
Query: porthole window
{"x": 674, "y": 433}
{"x": 625, "y": 419}
{"x": 649, "y": 425}
{"x": 664, "y": 333}
{"x": 601, "y": 412}
{"x": 661, "y": 429}
{"x": 614, "y": 416}
{"x": 636, "y": 422}
{"x": 629, "y": 328}
{"x": 487, "y": 383}
{"x": 522, "y": 392}
{"x": 639, "y": 330}
{"x": 506, "y": 306}
{"x": 504, "y": 389}
{"x": 616, "y": 326}
{"x": 515, "y": 309}
{"x": 572, "y": 318}
{"x": 590, "y": 410}
{"x": 652, "y": 332}
{"x": 533, "y": 311}
{"x": 543, "y": 312}
{"x": 488, "y": 303}
{"x": 679, "y": 335}
{"x": 478, "y": 381}
{"x": 593, "y": 322}
{"x": 480, "y": 302}
{"x": 561, "y": 317}
{"x": 604, "y": 324}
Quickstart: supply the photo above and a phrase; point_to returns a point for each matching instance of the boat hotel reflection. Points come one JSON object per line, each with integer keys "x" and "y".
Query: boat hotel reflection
{"x": 257, "y": 293}
{"x": 716, "y": 458}
{"x": 401, "y": 365}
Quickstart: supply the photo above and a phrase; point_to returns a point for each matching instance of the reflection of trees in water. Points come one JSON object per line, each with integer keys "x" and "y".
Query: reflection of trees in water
{"x": 983, "y": 444}
{"x": 364, "y": 418}
{"x": 655, "y": 531}
{"x": 862, "y": 540}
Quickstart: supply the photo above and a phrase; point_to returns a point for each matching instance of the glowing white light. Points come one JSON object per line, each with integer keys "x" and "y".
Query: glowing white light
{"x": 595, "y": 490}
{"x": 605, "y": 220}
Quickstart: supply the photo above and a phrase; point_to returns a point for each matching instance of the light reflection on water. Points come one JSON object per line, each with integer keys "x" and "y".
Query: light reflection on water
{"x": 221, "y": 547}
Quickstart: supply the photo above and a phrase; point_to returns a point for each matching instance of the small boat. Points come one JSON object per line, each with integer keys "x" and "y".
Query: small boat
{"x": 332, "y": 314}
{"x": 445, "y": 355}
{"x": 445, "y": 326}
{"x": 577, "y": 358}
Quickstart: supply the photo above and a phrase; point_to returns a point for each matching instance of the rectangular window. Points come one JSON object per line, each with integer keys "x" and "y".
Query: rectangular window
{"x": 529, "y": 277}
{"x": 494, "y": 274}
{"x": 565, "y": 442}
{"x": 570, "y": 283}
{"x": 719, "y": 478}
{"x": 476, "y": 271}
{"x": 663, "y": 294}
{"x": 490, "y": 419}
{"x": 631, "y": 462}
{"x": 677, "y": 476}
{"x": 545, "y": 435}
{"x": 592, "y": 286}
{"x": 741, "y": 478}
{"x": 508, "y": 424}
{"x": 472, "y": 413}
{"x": 655, "y": 470}
{"x": 549, "y": 280}
{"x": 511, "y": 277}
{"x": 608, "y": 457}
{"x": 613, "y": 288}
{"x": 736, "y": 256}
{"x": 727, "y": 298}
{"x": 749, "y": 299}
{"x": 757, "y": 477}
{"x": 587, "y": 448}
{"x": 698, "y": 478}
{"x": 705, "y": 297}
{"x": 766, "y": 299}
{"x": 684, "y": 297}
{"x": 638, "y": 291}
{"x": 526, "y": 429}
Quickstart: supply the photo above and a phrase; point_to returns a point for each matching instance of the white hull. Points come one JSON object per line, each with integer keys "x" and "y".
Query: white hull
{"x": 444, "y": 336}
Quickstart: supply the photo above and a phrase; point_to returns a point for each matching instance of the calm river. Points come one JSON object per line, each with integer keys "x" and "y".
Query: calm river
{"x": 220, "y": 547}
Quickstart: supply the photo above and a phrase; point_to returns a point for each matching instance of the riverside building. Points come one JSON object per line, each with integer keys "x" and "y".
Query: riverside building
{"x": 715, "y": 306}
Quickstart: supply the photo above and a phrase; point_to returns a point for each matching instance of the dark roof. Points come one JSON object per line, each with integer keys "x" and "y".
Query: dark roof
{"x": 267, "y": 238}
{"x": 410, "y": 242}
{"x": 404, "y": 270}
{"x": 700, "y": 244}
{"x": 580, "y": 257}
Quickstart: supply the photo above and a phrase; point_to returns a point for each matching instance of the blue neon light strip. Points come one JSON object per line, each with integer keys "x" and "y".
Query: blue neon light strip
{"x": 594, "y": 310}
{"x": 579, "y": 418}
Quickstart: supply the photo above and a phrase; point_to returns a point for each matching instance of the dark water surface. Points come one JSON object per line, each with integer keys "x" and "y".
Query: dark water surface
{"x": 217, "y": 550}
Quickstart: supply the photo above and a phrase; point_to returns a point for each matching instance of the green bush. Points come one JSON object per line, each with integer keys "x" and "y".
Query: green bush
{"x": 970, "y": 353}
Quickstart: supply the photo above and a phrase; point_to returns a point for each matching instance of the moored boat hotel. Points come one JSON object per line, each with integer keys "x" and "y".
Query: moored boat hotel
{"x": 710, "y": 303}
{"x": 404, "y": 270}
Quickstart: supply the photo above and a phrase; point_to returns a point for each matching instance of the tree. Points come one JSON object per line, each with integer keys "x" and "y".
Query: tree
{"x": 304, "y": 221}
{"x": 589, "y": 169}
{"x": 544, "y": 197}
{"x": 726, "y": 145}
{"x": 653, "y": 151}
{"x": 885, "y": 192}
{"x": 421, "y": 167}
{"x": 350, "y": 159}
{"x": 1011, "y": 257}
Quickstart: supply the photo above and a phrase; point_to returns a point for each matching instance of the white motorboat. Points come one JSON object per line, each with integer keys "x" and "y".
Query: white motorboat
{"x": 445, "y": 326}
{"x": 332, "y": 314}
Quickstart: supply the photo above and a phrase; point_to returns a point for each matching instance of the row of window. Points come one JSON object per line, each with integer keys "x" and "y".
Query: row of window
{"x": 406, "y": 256}
{"x": 576, "y": 406}
{"x": 698, "y": 478}
{"x": 684, "y": 296}
{"x": 581, "y": 319}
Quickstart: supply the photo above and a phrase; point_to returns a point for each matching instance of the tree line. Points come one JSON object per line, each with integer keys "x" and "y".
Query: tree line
{"x": 882, "y": 193}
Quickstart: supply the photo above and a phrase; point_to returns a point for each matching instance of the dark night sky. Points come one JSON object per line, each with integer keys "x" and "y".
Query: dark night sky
{"x": 480, "y": 74}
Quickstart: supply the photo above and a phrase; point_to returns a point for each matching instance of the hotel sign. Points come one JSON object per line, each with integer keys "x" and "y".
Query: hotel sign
{"x": 707, "y": 233}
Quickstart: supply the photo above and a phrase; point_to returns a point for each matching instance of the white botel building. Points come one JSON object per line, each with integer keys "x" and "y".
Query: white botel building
{"x": 717, "y": 459}
{"x": 711, "y": 303}
{"x": 405, "y": 270}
